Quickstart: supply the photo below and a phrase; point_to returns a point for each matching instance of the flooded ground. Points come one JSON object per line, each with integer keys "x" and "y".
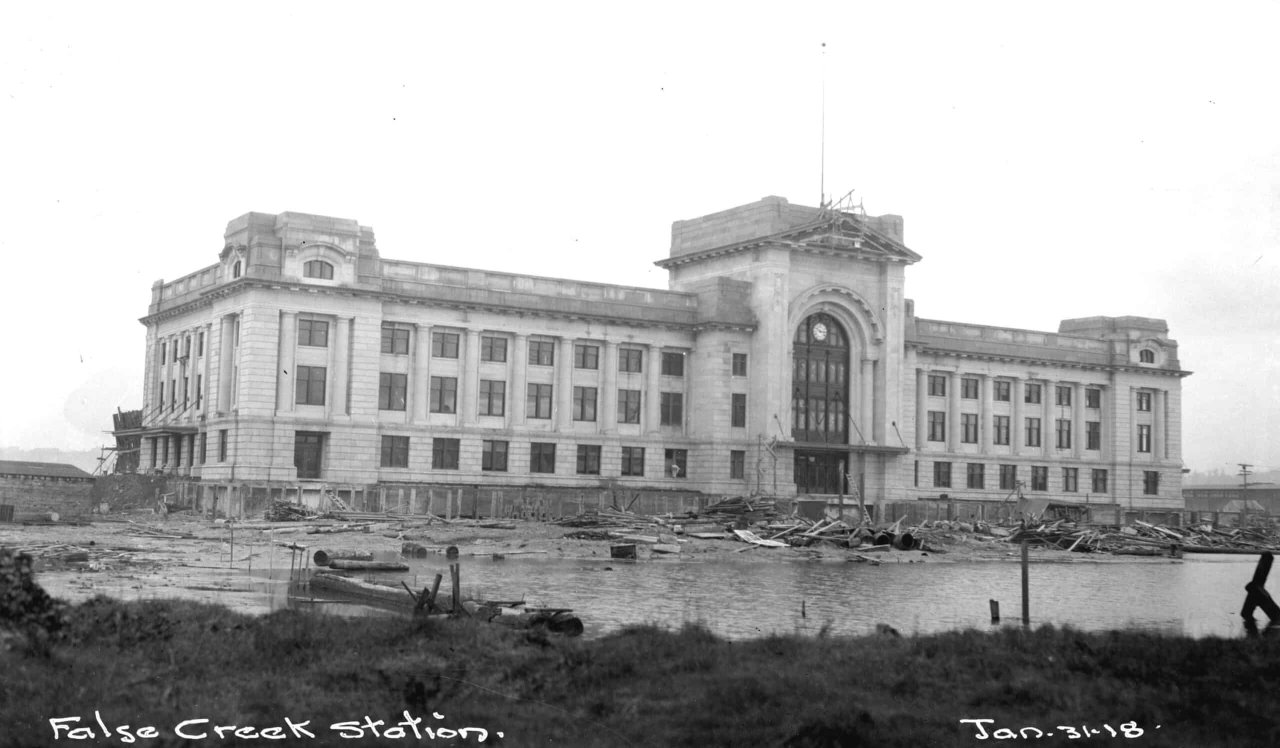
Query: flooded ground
{"x": 735, "y": 592}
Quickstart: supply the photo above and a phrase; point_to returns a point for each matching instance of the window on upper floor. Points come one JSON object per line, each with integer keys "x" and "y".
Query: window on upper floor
{"x": 628, "y": 406}
{"x": 313, "y": 332}
{"x": 738, "y": 410}
{"x": 969, "y": 388}
{"x": 444, "y": 345}
{"x": 1144, "y": 401}
{"x": 671, "y": 409}
{"x": 493, "y": 348}
{"x": 937, "y": 426}
{"x": 1147, "y": 357}
{"x": 538, "y": 402}
{"x": 739, "y": 364}
{"x": 1093, "y": 398}
{"x": 672, "y": 364}
{"x": 1031, "y": 393}
{"x": 584, "y": 403}
{"x": 309, "y": 385}
{"x": 235, "y": 269}
{"x": 630, "y": 360}
{"x": 317, "y": 269}
{"x": 493, "y": 397}
{"x": 542, "y": 352}
{"x": 444, "y": 395}
{"x": 395, "y": 339}
{"x": 937, "y": 385}
{"x": 586, "y": 356}
{"x": 391, "y": 391}
{"x": 1062, "y": 395}
{"x": 1002, "y": 389}
{"x": 1150, "y": 482}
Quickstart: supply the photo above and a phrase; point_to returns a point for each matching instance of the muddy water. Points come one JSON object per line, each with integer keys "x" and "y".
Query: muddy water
{"x": 1200, "y": 596}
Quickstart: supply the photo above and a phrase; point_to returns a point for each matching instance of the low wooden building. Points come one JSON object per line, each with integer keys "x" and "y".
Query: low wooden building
{"x": 34, "y": 490}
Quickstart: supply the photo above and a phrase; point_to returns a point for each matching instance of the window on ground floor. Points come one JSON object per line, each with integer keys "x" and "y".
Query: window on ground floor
{"x": 976, "y": 475}
{"x": 444, "y": 454}
{"x": 395, "y": 452}
{"x": 676, "y": 462}
{"x": 942, "y": 475}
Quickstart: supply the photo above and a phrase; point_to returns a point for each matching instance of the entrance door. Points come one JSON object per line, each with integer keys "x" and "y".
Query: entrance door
{"x": 820, "y": 472}
{"x": 307, "y": 448}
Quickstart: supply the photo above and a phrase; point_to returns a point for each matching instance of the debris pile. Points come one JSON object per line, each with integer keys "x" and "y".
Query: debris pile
{"x": 284, "y": 511}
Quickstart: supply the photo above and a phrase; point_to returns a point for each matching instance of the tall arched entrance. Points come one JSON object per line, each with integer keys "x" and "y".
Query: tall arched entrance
{"x": 820, "y": 405}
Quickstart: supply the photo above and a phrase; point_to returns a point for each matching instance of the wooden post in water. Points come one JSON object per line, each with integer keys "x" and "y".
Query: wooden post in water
{"x": 1257, "y": 596}
{"x": 1026, "y": 587}
{"x": 995, "y": 610}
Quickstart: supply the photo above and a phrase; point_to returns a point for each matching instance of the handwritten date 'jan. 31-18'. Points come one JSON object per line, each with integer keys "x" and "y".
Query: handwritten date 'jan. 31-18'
{"x": 985, "y": 729}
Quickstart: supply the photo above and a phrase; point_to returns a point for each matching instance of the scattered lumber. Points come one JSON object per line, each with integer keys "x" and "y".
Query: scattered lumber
{"x": 284, "y": 511}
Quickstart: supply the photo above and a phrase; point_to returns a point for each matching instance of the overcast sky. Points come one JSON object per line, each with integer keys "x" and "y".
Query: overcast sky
{"x": 1050, "y": 160}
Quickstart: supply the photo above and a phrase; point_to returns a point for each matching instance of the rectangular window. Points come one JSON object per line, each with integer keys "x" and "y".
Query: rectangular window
{"x": 542, "y": 352}
{"x": 222, "y": 445}
{"x": 584, "y": 404}
{"x": 633, "y": 460}
{"x": 1093, "y": 398}
{"x": 493, "y": 397}
{"x": 628, "y": 406}
{"x": 186, "y": 392}
{"x": 538, "y": 402}
{"x": 942, "y": 475}
{"x": 1008, "y": 477}
{"x": 1144, "y": 437}
{"x": 1144, "y": 401}
{"x": 1033, "y": 432}
{"x": 1071, "y": 480}
{"x": 969, "y": 389}
{"x": 444, "y": 394}
{"x": 969, "y": 428}
{"x": 1002, "y": 390}
{"x": 739, "y": 364}
{"x": 391, "y": 391}
{"x": 588, "y": 459}
{"x": 164, "y": 347}
{"x": 1064, "y": 433}
{"x": 1061, "y": 395}
{"x": 1001, "y": 435}
{"x": 161, "y": 391}
{"x": 313, "y": 332}
{"x": 173, "y": 394}
{"x": 200, "y": 344}
{"x": 493, "y": 456}
{"x": 395, "y": 339}
{"x": 937, "y": 426}
{"x": 739, "y": 408}
{"x": 675, "y": 462}
{"x": 1093, "y": 434}
{"x": 672, "y": 364}
{"x": 309, "y": 387}
{"x": 1031, "y": 393}
{"x": 630, "y": 359}
{"x": 444, "y": 345}
{"x": 395, "y": 451}
{"x": 1039, "y": 478}
{"x": 937, "y": 385}
{"x": 493, "y": 348}
{"x": 444, "y": 454}
{"x": 542, "y": 457}
{"x": 1099, "y": 481}
{"x": 174, "y": 349}
{"x": 586, "y": 356}
{"x": 976, "y": 475}
{"x": 199, "y": 390}
{"x": 737, "y": 464}
{"x": 1150, "y": 482}
{"x": 671, "y": 411}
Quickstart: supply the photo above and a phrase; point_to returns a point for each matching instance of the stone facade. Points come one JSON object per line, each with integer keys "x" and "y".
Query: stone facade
{"x": 783, "y": 359}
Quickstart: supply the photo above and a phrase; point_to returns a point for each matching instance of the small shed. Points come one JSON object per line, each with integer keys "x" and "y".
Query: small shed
{"x": 35, "y": 490}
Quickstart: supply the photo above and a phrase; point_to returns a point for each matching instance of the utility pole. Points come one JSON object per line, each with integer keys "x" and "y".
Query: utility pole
{"x": 1244, "y": 493}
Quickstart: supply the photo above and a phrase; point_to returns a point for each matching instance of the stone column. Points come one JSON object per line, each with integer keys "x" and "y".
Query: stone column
{"x": 562, "y": 407}
{"x": 866, "y": 417}
{"x": 607, "y": 410}
{"x": 922, "y": 409}
{"x": 339, "y": 364}
{"x": 226, "y": 362}
{"x": 1157, "y": 425}
{"x": 651, "y": 399}
{"x": 1048, "y": 427}
{"x": 469, "y": 378}
{"x": 1077, "y": 420}
{"x": 419, "y": 384}
{"x": 986, "y": 425}
{"x": 286, "y": 375}
{"x": 517, "y": 394}
{"x": 1018, "y": 429}
{"x": 954, "y": 433}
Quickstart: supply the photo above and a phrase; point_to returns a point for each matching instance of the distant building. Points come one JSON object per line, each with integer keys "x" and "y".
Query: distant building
{"x": 1233, "y": 499}
{"x": 784, "y": 359}
{"x": 36, "y": 489}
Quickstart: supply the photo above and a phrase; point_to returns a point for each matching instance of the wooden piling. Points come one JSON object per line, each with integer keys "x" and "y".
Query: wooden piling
{"x": 995, "y": 610}
{"x": 1256, "y": 596}
{"x": 1026, "y": 587}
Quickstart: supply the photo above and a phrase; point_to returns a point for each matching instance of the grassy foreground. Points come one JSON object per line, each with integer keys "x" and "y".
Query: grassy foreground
{"x": 158, "y": 663}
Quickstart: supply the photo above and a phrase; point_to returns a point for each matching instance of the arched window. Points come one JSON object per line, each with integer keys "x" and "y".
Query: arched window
{"x": 1147, "y": 357}
{"x": 317, "y": 269}
{"x": 820, "y": 382}
{"x": 235, "y": 270}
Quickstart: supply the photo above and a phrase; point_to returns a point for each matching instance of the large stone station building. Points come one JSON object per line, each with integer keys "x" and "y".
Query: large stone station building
{"x": 784, "y": 359}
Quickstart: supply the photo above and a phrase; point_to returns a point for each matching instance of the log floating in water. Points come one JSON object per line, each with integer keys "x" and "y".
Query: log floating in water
{"x": 324, "y": 558}
{"x": 355, "y": 564}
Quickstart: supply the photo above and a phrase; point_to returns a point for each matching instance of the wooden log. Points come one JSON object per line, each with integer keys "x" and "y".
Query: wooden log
{"x": 324, "y": 558}
{"x": 352, "y": 564}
